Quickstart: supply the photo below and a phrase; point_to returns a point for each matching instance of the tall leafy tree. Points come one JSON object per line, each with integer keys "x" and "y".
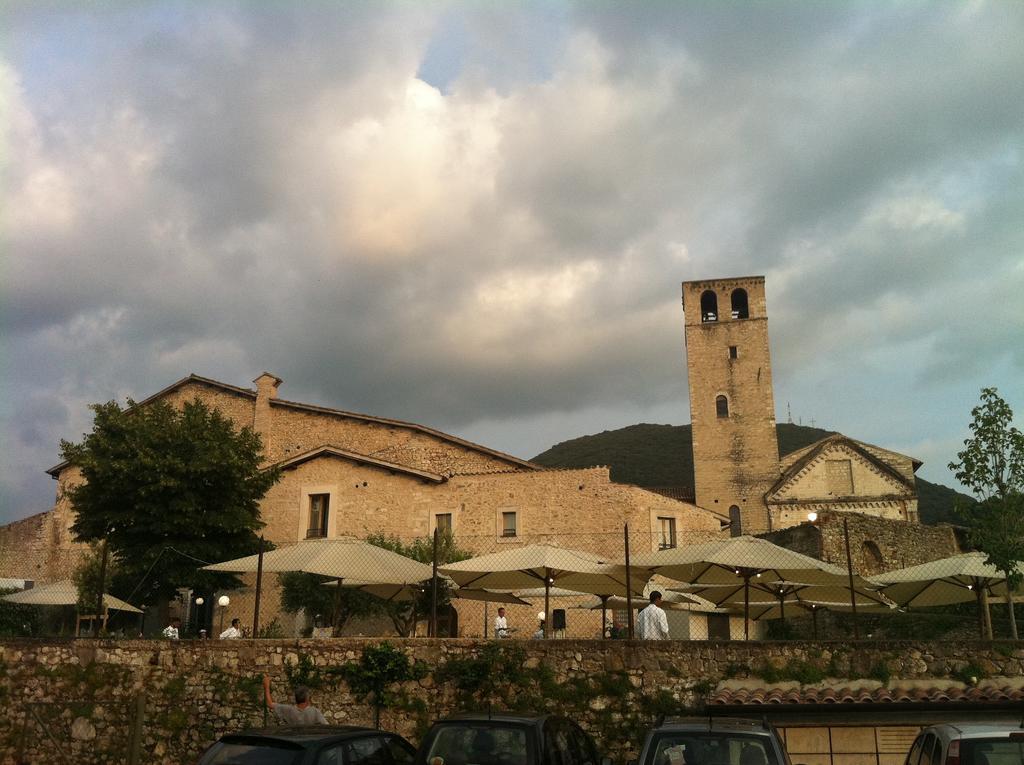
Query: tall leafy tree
{"x": 992, "y": 465}
{"x": 168, "y": 489}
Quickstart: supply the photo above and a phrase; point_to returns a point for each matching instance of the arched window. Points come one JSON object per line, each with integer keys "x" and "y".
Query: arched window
{"x": 735, "y": 522}
{"x": 740, "y": 309}
{"x": 871, "y": 557}
{"x": 708, "y": 306}
{"x": 722, "y": 406}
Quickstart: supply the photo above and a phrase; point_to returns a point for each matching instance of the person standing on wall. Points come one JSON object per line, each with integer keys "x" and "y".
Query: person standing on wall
{"x": 652, "y": 624}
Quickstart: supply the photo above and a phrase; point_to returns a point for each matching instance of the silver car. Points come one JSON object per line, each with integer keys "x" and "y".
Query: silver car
{"x": 968, "y": 744}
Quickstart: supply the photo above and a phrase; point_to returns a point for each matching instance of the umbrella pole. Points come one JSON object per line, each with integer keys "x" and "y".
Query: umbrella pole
{"x": 547, "y": 605}
{"x": 629, "y": 586}
{"x": 433, "y": 589}
{"x": 981, "y": 610}
{"x": 103, "y": 586}
{"x": 987, "y": 610}
{"x": 746, "y": 606}
{"x": 604, "y": 615}
{"x": 259, "y": 590}
{"x": 782, "y": 612}
{"x": 486, "y": 617}
{"x": 337, "y": 608}
{"x": 1009, "y": 608}
{"x": 849, "y": 573}
{"x": 814, "y": 622}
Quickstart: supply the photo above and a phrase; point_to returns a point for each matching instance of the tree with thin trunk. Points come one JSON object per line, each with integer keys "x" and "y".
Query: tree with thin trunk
{"x": 992, "y": 466}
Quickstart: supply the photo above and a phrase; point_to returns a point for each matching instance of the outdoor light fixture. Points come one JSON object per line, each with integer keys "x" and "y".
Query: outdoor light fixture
{"x": 223, "y": 601}
{"x": 812, "y": 516}
{"x": 200, "y": 601}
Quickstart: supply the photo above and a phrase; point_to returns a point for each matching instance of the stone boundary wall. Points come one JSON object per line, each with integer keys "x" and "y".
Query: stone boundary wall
{"x": 76, "y": 699}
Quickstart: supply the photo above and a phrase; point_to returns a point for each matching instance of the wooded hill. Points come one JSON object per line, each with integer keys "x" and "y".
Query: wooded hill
{"x": 662, "y": 456}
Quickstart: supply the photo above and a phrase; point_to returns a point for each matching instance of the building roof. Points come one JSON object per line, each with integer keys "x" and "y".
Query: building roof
{"x": 798, "y": 460}
{"x": 251, "y": 394}
{"x": 992, "y": 691}
{"x": 362, "y": 459}
{"x": 791, "y": 457}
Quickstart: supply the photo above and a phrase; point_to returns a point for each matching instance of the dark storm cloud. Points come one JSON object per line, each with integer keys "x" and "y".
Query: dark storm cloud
{"x": 226, "y": 188}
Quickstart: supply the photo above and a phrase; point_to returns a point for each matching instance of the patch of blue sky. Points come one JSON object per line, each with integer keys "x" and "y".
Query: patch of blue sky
{"x": 503, "y": 45}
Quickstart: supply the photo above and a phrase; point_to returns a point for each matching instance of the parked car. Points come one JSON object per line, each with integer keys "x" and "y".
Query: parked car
{"x": 507, "y": 739}
{"x": 968, "y": 744}
{"x": 310, "y": 745}
{"x": 712, "y": 741}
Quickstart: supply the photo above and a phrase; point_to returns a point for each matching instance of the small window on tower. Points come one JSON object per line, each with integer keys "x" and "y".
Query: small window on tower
{"x": 722, "y": 406}
{"x": 735, "y": 521}
{"x": 444, "y": 522}
{"x": 508, "y": 524}
{"x": 708, "y": 306}
{"x": 733, "y": 352}
{"x": 740, "y": 309}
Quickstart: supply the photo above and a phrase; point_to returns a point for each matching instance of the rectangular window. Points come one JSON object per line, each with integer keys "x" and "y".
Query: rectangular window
{"x": 666, "y": 533}
{"x": 733, "y": 352}
{"x": 319, "y": 505}
{"x": 839, "y": 477}
{"x": 508, "y": 524}
{"x": 444, "y": 522}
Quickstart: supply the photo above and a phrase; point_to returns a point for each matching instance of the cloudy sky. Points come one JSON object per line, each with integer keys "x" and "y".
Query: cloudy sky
{"x": 477, "y": 216}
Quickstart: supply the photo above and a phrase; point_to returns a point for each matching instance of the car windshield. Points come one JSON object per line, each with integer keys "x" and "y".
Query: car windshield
{"x": 487, "y": 744}
{"x": 251, "y": 753}
{"x": 991, "y": 751}
{"x": 712, "y": 748}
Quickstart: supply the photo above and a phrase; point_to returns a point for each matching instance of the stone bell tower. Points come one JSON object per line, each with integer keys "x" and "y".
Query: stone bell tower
{"x": 732, "y": 409}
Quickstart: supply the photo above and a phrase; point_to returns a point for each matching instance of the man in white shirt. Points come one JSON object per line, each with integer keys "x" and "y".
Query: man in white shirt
{"x": 232, "y": 632}
{"x": 501, "y": 625}
{"x": 171, "y": 630}
{"x": 652, "y": 624}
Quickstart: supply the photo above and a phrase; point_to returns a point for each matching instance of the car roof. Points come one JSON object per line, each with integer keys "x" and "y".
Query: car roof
{"x": 743, "y": 724}
{"x": 975, "y": 730}
{"x": 520, "y": 718}
{"x": 305, "y": 735}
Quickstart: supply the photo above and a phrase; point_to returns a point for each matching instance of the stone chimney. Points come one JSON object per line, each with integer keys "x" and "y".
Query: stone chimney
{"x": 266, "y": 389}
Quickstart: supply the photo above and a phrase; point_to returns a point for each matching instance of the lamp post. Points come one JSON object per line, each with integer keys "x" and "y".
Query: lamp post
{"x": 223, "y": 601}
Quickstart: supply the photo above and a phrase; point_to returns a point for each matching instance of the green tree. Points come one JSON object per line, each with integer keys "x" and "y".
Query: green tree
{"x": 86, "y": 577}
{"x": 308, "y": 591}
{"x": 404, "y": 614}
{"x": 992, "y": 465}
{"x": 168, "y": 489}
{"x": 333, "y": 605}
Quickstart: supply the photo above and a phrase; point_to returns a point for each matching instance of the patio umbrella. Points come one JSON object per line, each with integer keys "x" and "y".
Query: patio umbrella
{"x": 341, "y": 559}
{"x": 406, "y": 592}
{"x": 524, "y": 567}
{"x": 63, "y": 593}
{"x": 670, "y": 601}
{"x": 795, "y": 603}
{"x": 958, "y": 579}
{"x": 734, "y": 563}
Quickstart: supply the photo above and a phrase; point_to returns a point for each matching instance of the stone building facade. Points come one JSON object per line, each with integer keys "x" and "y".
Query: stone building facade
{"x": 349, "y": 474}
{"x": 736, "y": 462}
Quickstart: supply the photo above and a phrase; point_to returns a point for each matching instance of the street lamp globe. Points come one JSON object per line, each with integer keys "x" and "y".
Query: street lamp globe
{"x": 223, "y": 601}
{"x": 812, "y": 516}
{"x": 200, "y": 601}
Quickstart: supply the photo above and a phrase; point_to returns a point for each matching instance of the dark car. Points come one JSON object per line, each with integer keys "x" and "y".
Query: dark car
{"x": 507, "y": 739}
{"x": 310, "y": 745}
{"x": 969, "y": 743}
{"x": 713, "y": 741}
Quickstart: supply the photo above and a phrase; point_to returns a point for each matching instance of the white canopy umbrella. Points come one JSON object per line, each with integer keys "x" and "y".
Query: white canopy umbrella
{"x": 63, "y": 593}
{"x": 746, "y": 565}
{"x": 342, "y": 558}
{"x": 523, "y": 567}
{"x": 957, "y": 579}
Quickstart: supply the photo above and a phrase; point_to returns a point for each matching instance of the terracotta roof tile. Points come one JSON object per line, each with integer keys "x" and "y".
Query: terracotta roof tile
{"x": 998, "y": 690}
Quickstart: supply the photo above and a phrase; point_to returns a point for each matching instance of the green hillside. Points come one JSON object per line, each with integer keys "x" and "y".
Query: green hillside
{"x": 662, "y": 456}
